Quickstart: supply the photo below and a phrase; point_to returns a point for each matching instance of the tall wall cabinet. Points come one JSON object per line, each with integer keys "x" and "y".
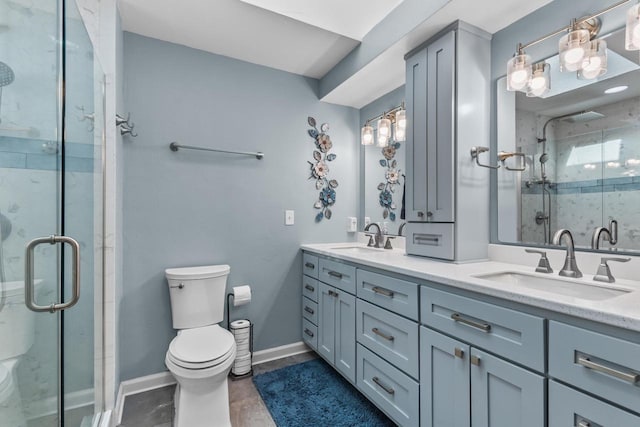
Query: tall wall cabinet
{"x": 448, "y": 99}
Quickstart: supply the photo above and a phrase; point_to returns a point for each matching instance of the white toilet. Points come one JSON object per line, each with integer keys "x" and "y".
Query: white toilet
{"x": 201, "y": 355}
{"x": 17, "y": 329}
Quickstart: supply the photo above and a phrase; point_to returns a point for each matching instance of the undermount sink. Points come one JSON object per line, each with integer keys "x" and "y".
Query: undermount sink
{"x": 357, "y": 249}
{"x": 567, "y": 287}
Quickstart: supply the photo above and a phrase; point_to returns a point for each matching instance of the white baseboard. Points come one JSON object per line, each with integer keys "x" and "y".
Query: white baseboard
{"x": 163, "y": 379}
{"x": 283, "y": 351}
{"x": 139, "y": 385}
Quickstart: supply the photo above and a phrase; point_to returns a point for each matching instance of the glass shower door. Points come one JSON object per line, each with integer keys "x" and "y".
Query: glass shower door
{"x": 50, "y": 185}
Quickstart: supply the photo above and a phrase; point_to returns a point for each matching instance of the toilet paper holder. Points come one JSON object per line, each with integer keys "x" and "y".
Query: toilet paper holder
{"x": 250, "y": 373}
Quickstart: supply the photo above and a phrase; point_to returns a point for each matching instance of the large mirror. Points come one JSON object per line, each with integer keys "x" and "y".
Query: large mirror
{"x": 581, "y": 145}
{"x": 384, "y": 169}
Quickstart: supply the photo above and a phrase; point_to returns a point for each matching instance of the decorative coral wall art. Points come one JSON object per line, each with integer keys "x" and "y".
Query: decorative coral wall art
{"x": 320, "y": 169}
{"x": 392, "y": 179}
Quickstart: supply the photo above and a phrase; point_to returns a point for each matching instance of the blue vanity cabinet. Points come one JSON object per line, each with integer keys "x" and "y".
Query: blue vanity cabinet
{"x": 448, "y": 112}
{"x": 503, "y": 394}
{"x": 337, "y": 329}
{"x": 445, "y": 382}
{"x": 569, "y": 407}
{"x": 602, "y": 365}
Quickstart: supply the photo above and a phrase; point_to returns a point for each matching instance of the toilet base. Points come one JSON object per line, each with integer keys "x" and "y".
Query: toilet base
{"x": 195, "y": 408}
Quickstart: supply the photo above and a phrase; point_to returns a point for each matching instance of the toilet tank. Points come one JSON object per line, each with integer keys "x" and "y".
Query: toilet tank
{"x": 197, "y": 295}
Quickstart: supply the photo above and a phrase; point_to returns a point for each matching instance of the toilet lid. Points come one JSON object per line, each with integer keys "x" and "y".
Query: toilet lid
{"x": 201, "y": 345}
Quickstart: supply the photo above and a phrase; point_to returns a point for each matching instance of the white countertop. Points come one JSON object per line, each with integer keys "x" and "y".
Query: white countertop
{"x": 622, "y": 310}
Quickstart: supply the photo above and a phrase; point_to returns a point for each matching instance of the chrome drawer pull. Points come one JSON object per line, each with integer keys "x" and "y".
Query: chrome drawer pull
{"x": 382, "y": 291}
{"x": 583, "y": 423}
{"x": 625, "y": 376}
{"x": 309, "y": 288}
{"x": 382, "y": 386}
{"x": 309, "y": 310}
{"x": 335, "y": 274}
{"x": 382, "y": 334}
{"x": 485, "y": 327}
{"x": 475, "y": 360}
{"x": 459, "y": 353}
{"x": 308, "y": 332}
{"x": 309, "y": 265}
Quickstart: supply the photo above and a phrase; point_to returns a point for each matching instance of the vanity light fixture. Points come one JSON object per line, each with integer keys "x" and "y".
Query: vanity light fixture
{"x": 396, "y": 118}
{"x": 366, "y": 135}
{"x": 578, "y": 49}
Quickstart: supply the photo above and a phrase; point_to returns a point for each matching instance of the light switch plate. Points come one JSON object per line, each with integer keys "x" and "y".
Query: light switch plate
{"x": 352, "y": 224}
{"x": 288, "y": 217}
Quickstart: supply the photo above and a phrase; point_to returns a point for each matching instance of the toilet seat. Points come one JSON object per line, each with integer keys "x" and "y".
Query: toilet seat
{"x": 201, "y": 348}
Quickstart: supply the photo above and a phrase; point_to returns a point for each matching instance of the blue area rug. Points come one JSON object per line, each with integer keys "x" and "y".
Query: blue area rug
{"x": 312, "y": 394}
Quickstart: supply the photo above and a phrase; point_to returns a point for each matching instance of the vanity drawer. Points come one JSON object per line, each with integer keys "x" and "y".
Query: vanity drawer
{"x": 337, "y": 274}
{"x": 310, "y": 334}
{"x": 310, "y": 310}
{"x": 511, "y": 334}
{"x": 392, "y": 391}
{"x": 434, "y": 240}
{"x": 310, "y": 265}
{"x": 395, "y": 295}
{"x": 310, "y": 288}
{"x": 596, "y": 363}
{"x": 390, "y": 336}
{"x": 568, "y": 407}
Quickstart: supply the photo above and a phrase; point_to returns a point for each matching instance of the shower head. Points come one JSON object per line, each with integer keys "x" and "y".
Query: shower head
{"x": 583, "y": 116}
{"x": 6, "y": 75}
{"x": 5, "y": 227}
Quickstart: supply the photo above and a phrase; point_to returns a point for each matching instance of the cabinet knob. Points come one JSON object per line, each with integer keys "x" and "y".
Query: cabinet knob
{"x": 429, "y": 214}
{"x": 420, "y": 214}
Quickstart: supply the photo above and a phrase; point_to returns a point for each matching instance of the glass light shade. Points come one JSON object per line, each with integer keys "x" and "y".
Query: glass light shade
{"x": 632, "y": 33}
{"x": 400, "y": 131}
{"x": 384, "y": 127}
{"x": 366, "y": 135}
{"x": 518, "y": 72}
{"x": 595, "y": 63}
{"x": 383, "y": 140}
{"x": 540, "y": 81}
{"x": 573, "y": 48}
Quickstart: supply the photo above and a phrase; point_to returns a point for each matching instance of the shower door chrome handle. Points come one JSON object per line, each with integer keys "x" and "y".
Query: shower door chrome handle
{"x": 29, "y": 292}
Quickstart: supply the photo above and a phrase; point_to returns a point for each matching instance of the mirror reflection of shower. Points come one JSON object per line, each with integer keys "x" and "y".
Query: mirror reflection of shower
{"x": 5, "y": 231}
{"x": 543, "y": 217}
{"x": 6, "y": 78}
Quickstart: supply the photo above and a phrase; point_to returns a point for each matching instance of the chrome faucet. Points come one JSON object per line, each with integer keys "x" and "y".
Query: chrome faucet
{"x": 401, "y": 228}
{"x": 378, "y": 235}
{"x": 570, "y": 268}
{"x": 595, "y": 239}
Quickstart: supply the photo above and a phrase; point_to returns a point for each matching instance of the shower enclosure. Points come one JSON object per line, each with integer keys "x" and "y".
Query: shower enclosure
{"x": 51, "y": 217}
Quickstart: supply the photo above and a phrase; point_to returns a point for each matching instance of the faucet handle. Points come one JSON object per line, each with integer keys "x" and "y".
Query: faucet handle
{"x": 371, "y": 243}
{"x": 387, "y": 245}
{"x": 543, "y": 264}
{"x": 604, "y": 272}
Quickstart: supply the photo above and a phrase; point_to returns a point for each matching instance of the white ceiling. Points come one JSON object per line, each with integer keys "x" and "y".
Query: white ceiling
{"x": 352, "y": 18}
{"x": 307, "y": 37}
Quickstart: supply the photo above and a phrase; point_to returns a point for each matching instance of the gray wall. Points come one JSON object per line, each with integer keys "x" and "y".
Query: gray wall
{"x": 194, "y": 208}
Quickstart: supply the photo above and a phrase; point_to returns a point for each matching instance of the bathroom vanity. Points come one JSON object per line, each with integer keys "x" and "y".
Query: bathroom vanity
{"x": 483, "y": 344}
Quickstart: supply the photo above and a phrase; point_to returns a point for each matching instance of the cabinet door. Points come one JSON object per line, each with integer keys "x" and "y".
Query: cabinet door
{"x": 444, "y": 381}
{"x": 416, "y": 160}
{"x": 504, "y": 395}
{"x": 326, "y": 321}
{"x": 440, "y": 131}
{"x": 345, "y": 334}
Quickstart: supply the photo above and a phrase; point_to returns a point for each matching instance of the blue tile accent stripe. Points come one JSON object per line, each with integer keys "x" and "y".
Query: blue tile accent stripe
{"x": 606, "y": 185}
{"x": 25, "y": 153}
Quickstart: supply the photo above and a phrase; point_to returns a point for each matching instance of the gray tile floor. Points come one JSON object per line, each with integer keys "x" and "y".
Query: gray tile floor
{"x": 155, "y": 408}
